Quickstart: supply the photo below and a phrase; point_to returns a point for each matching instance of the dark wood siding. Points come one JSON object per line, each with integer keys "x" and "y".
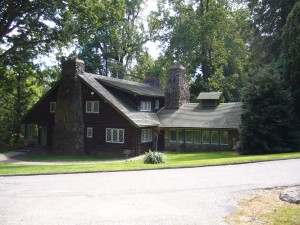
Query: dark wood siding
{"x": 108, "y": 117}
{"x": 40, "y": 113}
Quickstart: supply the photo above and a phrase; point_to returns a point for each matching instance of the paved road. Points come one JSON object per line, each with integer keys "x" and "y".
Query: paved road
{"x": 168, "y": 197}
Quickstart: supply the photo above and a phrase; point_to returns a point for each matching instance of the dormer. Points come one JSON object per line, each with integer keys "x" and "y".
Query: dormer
{"x": 210, "y": 99}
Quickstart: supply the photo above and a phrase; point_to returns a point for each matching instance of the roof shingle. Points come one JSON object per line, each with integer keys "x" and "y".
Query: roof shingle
{"x": 225, "y": 116}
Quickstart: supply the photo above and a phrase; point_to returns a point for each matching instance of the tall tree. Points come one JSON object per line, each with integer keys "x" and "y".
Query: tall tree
{"x": 34, "y": 25}
{"x": 204, "y": 36}
{"x": 268, "y": 18}
{"x": 117, "y": 42}
{"x": 291, "y": 55}
{"x": 268, "y": 116}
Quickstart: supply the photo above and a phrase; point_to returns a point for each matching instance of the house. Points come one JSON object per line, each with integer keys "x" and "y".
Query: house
{"x": 94, "y": 114}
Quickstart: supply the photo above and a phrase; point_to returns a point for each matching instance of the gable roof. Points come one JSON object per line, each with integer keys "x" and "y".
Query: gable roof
{"x": 191, "y": 115}
{"x": 209, "y": 95}
{"x": 139, "y": 119}
{"x": 130, "y": 86}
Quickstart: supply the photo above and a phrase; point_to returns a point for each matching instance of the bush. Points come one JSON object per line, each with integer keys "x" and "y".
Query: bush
{"x": 154, "y": 157}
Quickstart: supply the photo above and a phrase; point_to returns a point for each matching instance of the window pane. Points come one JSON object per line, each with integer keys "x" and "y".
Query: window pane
{"x": 89, "y": 132}
{"x": 96, "y": 106}
{"x": 52, "y": 107}
{"x": 197, "y": 136}
{"x": 173, "y": 136}
{"x": 206, "y": 137}
{"x": 215, "y": 138}
{"x": 180, "y": 136}
{"x": 121, "y": 136}
{"x": 88, "y": 106}
{"x": 115, "y": 135}
{"x": 189, "y": 136}
{"x": 156, "y": 104}
{"x": 224, "y": 137}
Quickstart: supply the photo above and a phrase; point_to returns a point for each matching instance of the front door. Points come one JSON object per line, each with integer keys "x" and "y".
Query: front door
{"x": 43, "y": 136}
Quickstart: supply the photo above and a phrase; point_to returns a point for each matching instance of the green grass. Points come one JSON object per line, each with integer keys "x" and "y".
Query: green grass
{"x": 285, "y": 215}
{"x": 40, "y": 157}
{"x": 172, "y": 160}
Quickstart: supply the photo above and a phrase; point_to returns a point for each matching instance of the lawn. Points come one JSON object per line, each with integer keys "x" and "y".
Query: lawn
{"x": 173, "y": 160}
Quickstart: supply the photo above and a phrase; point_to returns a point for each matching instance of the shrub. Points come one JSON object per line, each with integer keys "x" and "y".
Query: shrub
{"x": 154, "y": 157}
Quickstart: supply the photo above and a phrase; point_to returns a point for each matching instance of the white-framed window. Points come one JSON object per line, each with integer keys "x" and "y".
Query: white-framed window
{"x": 146, "y": 135}
{"x": 215, "y": 137}
{"x": 52, "y": 107}
{"x": 89, "y": 132}
{"x": 145, "y": 106}
{"x": 206, "y": 137}
{"x": 92, "y": 107}
{"x": 156, "y": 104}
{"x": 224, "y": 137}
{"x": 115, "y": 135}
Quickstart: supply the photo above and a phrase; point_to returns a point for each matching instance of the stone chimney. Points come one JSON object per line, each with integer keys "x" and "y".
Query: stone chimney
{"x": 68, "y": 129}
{"x": 152, "y": 81}
{"x": 177, "y": 90}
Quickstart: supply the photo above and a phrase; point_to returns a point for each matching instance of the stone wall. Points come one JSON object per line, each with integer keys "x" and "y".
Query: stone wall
{"x": 68, "y": 127}
{"x": 177, "y": 90}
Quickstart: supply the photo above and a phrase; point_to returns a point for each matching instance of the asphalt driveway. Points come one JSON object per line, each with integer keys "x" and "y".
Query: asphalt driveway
{"x": 169, "y": 197}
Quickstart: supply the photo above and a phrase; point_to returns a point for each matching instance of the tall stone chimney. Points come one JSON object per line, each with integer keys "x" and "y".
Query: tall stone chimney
{"x": 177, "y": 90}
{"x": 68, "y": 129}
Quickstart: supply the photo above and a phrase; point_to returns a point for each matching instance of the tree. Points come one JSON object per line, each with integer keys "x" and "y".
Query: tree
{"x": 268, "y": 116}
{"x": 291, "y": 55}
{"x": 117, "y": 41}
{"x": 32, "y": 25}
{"x": 205, "y": 36}
{"x": 268, "y": 18}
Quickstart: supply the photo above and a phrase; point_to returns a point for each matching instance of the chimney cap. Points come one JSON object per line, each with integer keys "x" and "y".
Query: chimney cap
{"x": 177, "y": 66}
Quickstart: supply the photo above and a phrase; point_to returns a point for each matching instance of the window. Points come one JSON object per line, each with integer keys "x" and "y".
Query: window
{"x": 197, "y": 137}
{"x": 52, "y": 107}
{"x": 146, "y": 135}
{"x": 145, "y": 106}
{"x": 114, "y": 135}
{"x": 206, "y": 137}
{"x": 189, "y": 138}
{"x": 173, "y": 136}
{"x": 224, "y": 137}
{"x": 215, "y": 138}
{"x": 176, "y": 136}
{"x": 180, "y": 136}
{"x": 89, "y": 132}
{"x": 92, "y": 106}
{"x": 157, "y": 104}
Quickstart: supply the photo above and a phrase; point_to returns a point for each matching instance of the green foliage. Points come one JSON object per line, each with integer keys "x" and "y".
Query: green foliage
{"x": 206, "y": 37}
{"x": 115, "y": 38}
{"x": 291, "y": 55}
{"x": 268, "y": 18}
{"x": 267, "y": 118}
{"x": 154, "y": 157}
{"x": 28, "y": 25}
